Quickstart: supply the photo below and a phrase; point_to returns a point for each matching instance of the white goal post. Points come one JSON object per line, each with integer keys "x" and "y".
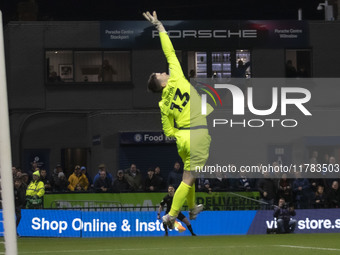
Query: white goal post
{"x": 7, "y": 188}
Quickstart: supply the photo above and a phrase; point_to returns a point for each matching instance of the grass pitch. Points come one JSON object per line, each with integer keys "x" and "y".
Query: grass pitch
{"x": 202, "y": 245}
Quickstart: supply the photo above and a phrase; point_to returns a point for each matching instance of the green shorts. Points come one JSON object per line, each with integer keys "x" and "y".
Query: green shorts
{"x": 193, "y": 147}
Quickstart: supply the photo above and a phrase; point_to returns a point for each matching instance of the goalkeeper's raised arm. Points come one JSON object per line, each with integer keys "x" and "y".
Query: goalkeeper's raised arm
{"x": 167, "y": 47}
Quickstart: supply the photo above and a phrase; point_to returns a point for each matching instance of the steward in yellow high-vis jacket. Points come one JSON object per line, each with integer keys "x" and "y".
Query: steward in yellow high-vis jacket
{"x": 181, "y": 118}
{"x": 35, "y": 192}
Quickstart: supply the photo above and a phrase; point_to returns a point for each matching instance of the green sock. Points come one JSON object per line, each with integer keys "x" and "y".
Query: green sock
{"x": 179, "y": 198}
{"x": 191, "y": 197}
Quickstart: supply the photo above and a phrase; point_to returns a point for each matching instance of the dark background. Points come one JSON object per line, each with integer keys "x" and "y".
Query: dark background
{"x": 167, "y": 10}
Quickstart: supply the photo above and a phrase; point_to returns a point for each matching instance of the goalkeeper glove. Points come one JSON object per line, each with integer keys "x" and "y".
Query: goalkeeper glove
{"x": 154, "y": 20}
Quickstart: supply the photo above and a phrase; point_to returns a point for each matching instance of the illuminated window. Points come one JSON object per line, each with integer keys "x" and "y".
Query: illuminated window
{"x": 88, "y": 66}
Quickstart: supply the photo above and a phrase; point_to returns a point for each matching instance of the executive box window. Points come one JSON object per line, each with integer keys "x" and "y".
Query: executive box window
{"x": 219, "y": 64}
{"x": 298, "y": 63}
{"x": 88, "y": 66}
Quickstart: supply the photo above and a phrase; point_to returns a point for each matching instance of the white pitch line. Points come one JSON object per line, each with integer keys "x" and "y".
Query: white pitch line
{"x": 135, "y": 249}
{"x": 308, "y": 248}
{"x": 165, "y": 248}
{"x": 65, "y": 251}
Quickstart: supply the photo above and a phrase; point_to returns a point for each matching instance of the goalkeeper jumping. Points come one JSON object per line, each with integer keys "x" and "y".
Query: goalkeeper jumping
{"x": 181, "y": 118}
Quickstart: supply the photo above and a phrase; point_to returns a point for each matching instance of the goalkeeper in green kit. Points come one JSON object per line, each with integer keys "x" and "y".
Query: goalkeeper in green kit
{"x": 181, "y": 118}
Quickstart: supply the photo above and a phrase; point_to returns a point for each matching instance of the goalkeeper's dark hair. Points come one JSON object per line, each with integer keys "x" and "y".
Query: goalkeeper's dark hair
{"x": 154, "y": 84}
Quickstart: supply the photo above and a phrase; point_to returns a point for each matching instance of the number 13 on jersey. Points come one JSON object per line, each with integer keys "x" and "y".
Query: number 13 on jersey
{"x": 181, "y": 96}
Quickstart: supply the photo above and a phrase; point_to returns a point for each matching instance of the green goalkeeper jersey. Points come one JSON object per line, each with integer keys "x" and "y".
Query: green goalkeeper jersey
{"x": 181, "y": 104}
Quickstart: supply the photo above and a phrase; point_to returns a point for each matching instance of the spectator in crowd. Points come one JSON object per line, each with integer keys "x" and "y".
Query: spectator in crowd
{"x": 314, "y": 158}
{"x": 240, "y": 73}
{"x": 35, "y": 167}
{"x": 285, "y": 189}
{"x": 14, "y": 172}
{"x": 152, "y": 182}
{"x": 267, "y": 189}
{"x": 283, "y": 214}
{"x": 234, "y": 183}
{"x": 132, "y": 168}
{"x": 206, "y": 187}
{"x": 219, "y": 183}
{"x": 77, "y": 180}
{"x": 290, "y": 69}
{"x": 46, "y": 180}
{"x": 106, "y": 72}
{"x": 175, "y": 176}
{"x": 19, "y": 172}
{"x": 55, "y": 173}
{"x": 134, "y": 178}
{"x": 103, "y": 183}
{"x": 301, "y": 190}
{"x": 244, "y": 184}
{"x": 120, "y": 184}
{"x": 332, "y": 160}
{"x": 241, "y": 69}
{"x": 333, "y": 196}
{"x": 103, "y": 167}
{"x": 54, "y": 77}
{"x": 162, "y": 185}
{"x": 25, "y": 179}
{"x": 35, "y": 192}
{"x": 20, "y": 198}
{"x": 315, "y": 182}
{"x": 329, "y": 181}
{"x": 319, "y": 200}
{"x": 325, "y": 159}
{"x": 199, "y": 183}
{"x": 84, "y": 171}
{"x": 61, "y": 183}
